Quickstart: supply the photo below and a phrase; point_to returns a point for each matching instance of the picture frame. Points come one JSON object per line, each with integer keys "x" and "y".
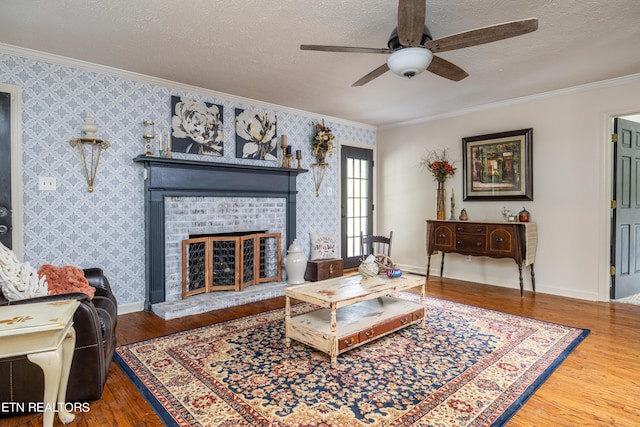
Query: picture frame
{"x": 498, "y": 166}
{"x": 196, "y": 127}
{"x": 256, "y": 135}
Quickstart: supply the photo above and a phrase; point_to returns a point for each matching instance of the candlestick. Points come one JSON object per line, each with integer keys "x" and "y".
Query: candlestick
{"x": 299, "y": 158}
{"x": 168, "y": 155}
{"x": 284, "y": 147}
{"x": 160, "y": 143}
{"x": 289, "y": 160}
{"x": 453, "y": 207}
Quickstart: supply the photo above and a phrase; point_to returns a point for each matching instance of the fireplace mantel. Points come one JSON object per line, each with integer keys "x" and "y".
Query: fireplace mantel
{"x": 193, "y": 178}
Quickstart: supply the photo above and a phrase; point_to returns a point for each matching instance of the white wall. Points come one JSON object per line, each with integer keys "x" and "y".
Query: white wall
{"x": 571, "y": 186}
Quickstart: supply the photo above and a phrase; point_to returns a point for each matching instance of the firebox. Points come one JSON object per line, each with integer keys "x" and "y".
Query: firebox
{"x": 230, "y": 261}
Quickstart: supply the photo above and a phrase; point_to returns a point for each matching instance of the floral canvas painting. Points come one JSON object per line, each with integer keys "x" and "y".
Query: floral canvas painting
{"x": 256, "y": 135}
{"x": 196, "y": 127}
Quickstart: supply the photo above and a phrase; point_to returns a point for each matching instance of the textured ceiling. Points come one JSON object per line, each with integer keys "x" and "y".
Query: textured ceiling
{"x": 250, "y": 48}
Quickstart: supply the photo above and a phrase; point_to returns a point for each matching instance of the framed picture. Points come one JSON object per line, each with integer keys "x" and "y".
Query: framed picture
{"x": 256, "y": 135}
{"x": 498, "y": 166}
{"x": 196, "y": 127}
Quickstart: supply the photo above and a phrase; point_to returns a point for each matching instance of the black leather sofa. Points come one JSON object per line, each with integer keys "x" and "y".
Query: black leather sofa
{"x": 95, "y": 324}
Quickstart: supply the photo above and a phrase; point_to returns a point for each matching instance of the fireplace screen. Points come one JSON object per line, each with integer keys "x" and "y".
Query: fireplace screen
{"x": 220, "y": 263}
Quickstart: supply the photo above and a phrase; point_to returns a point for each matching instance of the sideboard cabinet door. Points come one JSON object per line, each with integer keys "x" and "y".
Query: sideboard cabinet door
{"x": 502, "y": 241}
{"x": 443, "y": 237}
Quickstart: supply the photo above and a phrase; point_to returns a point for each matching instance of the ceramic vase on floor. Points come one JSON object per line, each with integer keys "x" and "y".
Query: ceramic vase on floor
{"x": 441, "y": 194}
{"x": 295, "y": 264}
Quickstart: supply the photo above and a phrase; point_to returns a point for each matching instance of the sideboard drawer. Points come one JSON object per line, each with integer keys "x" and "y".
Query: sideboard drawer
{"x": 471, "y": 228}
{"x": 471, "y": 242}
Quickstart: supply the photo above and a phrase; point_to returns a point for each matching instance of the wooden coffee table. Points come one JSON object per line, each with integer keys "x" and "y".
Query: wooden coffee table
{"x": 353, "y": 311}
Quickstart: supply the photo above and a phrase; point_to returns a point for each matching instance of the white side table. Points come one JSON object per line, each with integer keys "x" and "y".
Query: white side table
{"x": 44, "y": 332}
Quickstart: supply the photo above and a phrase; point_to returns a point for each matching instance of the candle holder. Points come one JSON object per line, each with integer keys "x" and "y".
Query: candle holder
{"x": 289, "y": 156}
{"x": 168, "y": 154}
{"x": 283, "y": 146}
{"x": 299, "y": 158}
{"x": 453, "y": 207}
{"x": 148, "y": 133}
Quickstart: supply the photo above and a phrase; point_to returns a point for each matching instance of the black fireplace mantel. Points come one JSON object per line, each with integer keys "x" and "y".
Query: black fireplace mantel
{"x": 193, "y": 178}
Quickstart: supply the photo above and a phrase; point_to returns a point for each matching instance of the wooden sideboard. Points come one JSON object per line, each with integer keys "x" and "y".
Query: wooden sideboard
{"x": 517, "y": 241}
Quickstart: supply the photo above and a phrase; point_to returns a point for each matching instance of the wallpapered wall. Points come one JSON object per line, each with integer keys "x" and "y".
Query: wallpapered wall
{"x": 105, "y": 229}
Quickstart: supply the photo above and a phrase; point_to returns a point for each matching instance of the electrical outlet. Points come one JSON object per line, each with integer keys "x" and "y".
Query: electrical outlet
{"x": 467, "y": 257}
{"x": 46, "y": 183}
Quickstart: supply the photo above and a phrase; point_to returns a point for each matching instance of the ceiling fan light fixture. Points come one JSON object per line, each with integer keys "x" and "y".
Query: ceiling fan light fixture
{"x": 409, "y": 61}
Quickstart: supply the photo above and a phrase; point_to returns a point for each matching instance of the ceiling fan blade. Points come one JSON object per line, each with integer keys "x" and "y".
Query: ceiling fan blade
{"x": 446, "y": 69}
{"x": 347, "y": 49}
{"x": 372, "y": 75}
{"x": 411, "y": 14}
{"x": 483, "y": 35}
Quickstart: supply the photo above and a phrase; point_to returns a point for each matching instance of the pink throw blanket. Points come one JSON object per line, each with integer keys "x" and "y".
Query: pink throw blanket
{"x": 67, "y": 279}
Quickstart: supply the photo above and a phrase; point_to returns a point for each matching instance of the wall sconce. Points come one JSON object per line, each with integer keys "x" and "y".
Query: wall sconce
{"x": 148, "y": 133}
{"x": 318, "y": 170}
{"x": 89, "y": 143}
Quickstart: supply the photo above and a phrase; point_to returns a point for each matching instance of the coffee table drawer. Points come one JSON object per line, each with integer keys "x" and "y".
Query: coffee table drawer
{"x": 390, "y": 325}
{"x": 348, "y": 342}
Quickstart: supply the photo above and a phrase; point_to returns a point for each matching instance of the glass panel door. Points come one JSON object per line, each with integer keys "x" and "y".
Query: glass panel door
{"x": 356, "y": 201}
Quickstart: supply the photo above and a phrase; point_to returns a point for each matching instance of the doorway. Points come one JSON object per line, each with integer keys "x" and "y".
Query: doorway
{"x": 11, "y": 208}
{"x": 356, "y": 201}
{"x": 625, "y": 217}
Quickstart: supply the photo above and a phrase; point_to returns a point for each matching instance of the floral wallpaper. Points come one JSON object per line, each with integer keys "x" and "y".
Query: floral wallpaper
{"x": 70, "y": 226}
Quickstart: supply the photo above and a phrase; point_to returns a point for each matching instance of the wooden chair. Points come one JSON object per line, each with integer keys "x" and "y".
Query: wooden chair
{"x": 377, "y": 245}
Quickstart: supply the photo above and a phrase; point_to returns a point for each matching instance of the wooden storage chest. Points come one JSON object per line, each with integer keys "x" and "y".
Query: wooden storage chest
{"x": 323, "y": 269}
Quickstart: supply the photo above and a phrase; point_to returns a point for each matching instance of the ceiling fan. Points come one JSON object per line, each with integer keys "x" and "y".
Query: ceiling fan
{"x": 412, "y": 48}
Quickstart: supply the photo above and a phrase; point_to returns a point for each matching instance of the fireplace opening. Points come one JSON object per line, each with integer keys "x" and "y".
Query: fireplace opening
{"x": 230, "y": 261}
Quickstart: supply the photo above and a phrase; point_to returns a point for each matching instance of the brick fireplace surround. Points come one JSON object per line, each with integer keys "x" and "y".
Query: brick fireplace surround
{"x": 172, "y": 184}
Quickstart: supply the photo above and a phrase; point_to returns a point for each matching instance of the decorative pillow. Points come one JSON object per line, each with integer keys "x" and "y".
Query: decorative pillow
{"x": 323, "y": 246}
{"x": 67, "y": 279}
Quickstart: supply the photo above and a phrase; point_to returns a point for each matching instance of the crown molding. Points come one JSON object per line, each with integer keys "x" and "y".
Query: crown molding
{"x": 510, "y": 102}
{"x": 116, "y": 72}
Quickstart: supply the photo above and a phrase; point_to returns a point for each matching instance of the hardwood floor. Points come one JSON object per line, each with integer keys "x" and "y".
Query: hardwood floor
{"x": 598, "y": 384}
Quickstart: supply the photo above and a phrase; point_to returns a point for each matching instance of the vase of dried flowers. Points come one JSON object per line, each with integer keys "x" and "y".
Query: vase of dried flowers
{"x": 441, "y": 167}
{"x": 322, "y": 142}
{"x": 321, "y": 157}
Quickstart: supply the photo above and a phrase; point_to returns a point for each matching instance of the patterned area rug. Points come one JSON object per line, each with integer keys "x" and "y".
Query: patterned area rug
{"x": 468, "y": 367}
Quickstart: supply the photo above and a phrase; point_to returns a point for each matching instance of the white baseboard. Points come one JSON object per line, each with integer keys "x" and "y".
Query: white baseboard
{"x": 130, "y": 308}
{"x": 542, "y": 288}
